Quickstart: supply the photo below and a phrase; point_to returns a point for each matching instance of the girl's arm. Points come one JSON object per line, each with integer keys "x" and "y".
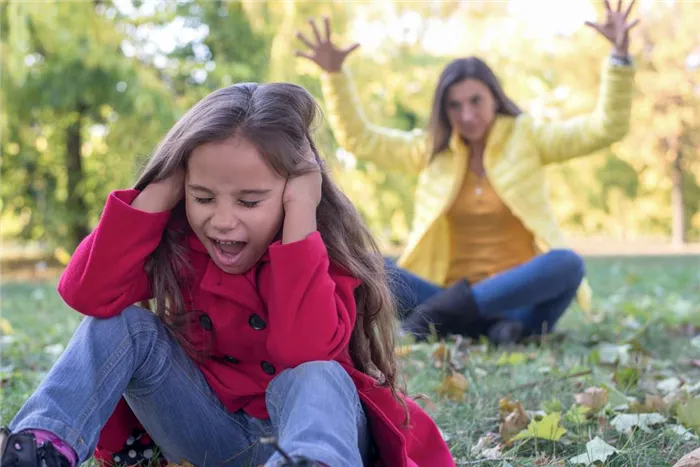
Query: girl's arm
{"x": 106, "y": 273}
{"x": 311, "y": 306}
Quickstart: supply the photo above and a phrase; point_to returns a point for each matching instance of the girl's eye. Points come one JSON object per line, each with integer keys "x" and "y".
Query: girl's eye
{"x": 203, "y": 200}
{"x": 248, "y": 204}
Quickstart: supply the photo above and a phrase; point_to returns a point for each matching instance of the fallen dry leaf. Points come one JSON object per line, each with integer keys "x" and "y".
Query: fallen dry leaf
{"x": 577, "y": 414}
{"x": 689, "y": 413}
{"x": 669, "y": 385}
{"x": 454, "y": 386}
{"x": 512, "y": 419}
{"x": 597, "y": 450}
{"x": 680, "y": 396}
{"x": 403, "y": 350}
{"x": 654, "y": 403}
{"x": 485, "y": 442}
{"x": 547, "y": 461}
{"x": 603, "y": 424}
{"x": 592, "y": 398}
{"x": 692, "y": 459}
{"x": 6, "y": 327}
{"x": 684, "y": 433}
{"x": 506, "y": 406}
{"x": 548, "y": 428}
{"x": 514, "y": 359}
{"x": 441, "y": 352}
{"x": 611, "y": 354}
{"x": 624, "y": 423}
{"x": 492, "y": 453}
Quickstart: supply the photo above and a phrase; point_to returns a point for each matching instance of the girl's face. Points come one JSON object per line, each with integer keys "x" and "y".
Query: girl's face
{"x": 234, "y": 202}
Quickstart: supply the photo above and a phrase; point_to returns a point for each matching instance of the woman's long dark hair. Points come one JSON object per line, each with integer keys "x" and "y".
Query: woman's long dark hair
{"x": 459, "y": 70}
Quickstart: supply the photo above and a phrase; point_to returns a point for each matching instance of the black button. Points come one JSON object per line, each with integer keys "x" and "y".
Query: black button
{"x": 230, "y": 359}
{"x": 205, "y": 322}
{"x": 256, "y": 322}
{"x": 268, "y": 368}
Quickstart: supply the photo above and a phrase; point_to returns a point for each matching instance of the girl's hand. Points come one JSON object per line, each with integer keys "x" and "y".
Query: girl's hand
{"x": 163, "y": 195}
{"x": 323, "y": 52}
{"x": 301, "y": 197}
{"x": 616, "y": 28}
{"x": 304, "y": 190}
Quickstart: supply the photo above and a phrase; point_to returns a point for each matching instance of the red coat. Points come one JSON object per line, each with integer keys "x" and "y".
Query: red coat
{"x": 272, "y": 310}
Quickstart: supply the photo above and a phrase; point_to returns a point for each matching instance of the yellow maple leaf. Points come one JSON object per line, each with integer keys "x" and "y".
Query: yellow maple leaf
{"x": 515, "y": 358}
{"x": 546, "y": 428}
{"x": 689, "y": 413}
{"x": 403, "y": 350}
{"x": 454, "y": 386}
{"x": 6, "y": 327}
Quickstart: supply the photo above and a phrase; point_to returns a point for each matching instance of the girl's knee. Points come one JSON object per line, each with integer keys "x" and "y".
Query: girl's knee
{"x": 321, "y": 369}
{"x": 569, "y": 263}
{"x": 135, "y": 314}
{"x": 133, "y": 317}
{"x": 313, "y": 375}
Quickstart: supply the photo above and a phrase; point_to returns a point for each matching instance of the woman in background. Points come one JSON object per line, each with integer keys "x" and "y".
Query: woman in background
{"x": 485, "y": 255}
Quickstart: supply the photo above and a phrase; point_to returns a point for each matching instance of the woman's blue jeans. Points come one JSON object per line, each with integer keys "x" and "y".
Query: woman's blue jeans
{"x": 536, "y": 293}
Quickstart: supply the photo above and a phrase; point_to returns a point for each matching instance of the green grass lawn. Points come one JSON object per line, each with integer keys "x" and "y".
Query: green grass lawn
{"x": 640, "y": 344}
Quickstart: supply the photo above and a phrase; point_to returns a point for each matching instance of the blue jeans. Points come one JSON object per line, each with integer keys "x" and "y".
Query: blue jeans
{"x": 536, "y": 293}
{"x": 314, "y": 409}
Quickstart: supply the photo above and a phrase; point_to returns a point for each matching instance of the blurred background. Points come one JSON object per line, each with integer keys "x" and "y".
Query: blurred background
{"x": 88, "y": 88}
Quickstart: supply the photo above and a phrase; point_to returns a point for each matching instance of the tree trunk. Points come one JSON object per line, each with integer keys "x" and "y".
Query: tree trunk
{"x": 677, "y": 201}
{"x": 77, "y": 209}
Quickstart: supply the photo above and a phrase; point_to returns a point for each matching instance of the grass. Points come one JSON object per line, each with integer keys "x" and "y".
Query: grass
{"x": 650, "y": 304}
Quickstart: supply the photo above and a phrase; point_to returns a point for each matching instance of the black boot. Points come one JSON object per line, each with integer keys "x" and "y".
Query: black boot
{"x": 21, "y": 450}
{"x": 506, "y": 332}
{"x": 450, "y": 311}
{"x": 287, "y": 460}
{"x": 301, "y": 462}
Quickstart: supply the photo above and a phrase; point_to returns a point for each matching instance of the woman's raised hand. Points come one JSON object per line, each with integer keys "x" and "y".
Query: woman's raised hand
{"x": 616, "y": 27}
{"x": 322, "y": 51}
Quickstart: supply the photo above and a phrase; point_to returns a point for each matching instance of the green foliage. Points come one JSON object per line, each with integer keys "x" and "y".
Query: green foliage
{"x": 36, "y": 325}
{"x": 94, "y": 68}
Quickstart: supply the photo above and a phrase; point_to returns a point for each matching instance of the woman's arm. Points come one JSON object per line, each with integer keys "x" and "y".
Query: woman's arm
{"x": 392, "y": 150}
{"x": 582, "y": 135}
{"x": 609, "y": 122}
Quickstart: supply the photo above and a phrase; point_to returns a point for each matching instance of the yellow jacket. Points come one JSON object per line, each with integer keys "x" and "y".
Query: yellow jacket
{"x": 517, "y": 151}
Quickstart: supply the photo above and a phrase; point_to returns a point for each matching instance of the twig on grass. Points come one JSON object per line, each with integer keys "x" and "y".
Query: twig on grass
{"x": 483, "y": 461}
{"x": 550, "y": 380}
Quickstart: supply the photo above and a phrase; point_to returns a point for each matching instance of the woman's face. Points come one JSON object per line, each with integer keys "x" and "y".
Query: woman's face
{"x": 471, "y": 109}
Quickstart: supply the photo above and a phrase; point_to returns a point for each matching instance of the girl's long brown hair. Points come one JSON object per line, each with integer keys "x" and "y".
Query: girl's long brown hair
{"x": 278, "y": 118}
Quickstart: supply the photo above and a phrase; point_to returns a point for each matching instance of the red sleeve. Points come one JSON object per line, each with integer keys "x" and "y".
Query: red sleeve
{"x": 311, "y": 309}
{"x": 106, "y": 273}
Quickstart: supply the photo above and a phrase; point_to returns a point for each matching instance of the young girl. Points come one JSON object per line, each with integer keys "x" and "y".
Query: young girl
{"x": 270, "y": 312}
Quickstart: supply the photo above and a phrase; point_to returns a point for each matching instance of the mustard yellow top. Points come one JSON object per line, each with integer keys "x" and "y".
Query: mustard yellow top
{"x": 485, "y": 237}
{"x": 518, "y": 149}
